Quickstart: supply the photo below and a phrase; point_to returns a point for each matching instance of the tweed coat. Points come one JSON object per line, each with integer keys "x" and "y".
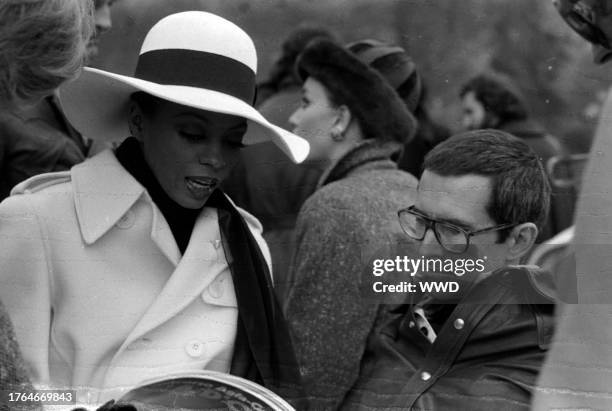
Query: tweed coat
{"x": 13, "y": 373}
{"x": 350, "y": 218}
{"x": 99, "y": 293}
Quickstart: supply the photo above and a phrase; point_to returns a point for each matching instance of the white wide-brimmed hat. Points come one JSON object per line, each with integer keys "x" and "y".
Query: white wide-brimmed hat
{"x": 192, "y": 58}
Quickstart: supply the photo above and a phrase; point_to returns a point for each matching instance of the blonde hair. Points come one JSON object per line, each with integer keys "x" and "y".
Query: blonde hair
{"x": 42, "y": 44}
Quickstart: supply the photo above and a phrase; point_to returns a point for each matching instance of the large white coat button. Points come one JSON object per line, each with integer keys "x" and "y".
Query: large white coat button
{"x": 425, "y": 376}
{"x": 195, "y": 349}
{"x": 216, "y": 289}
{"x": 126, "y": 221}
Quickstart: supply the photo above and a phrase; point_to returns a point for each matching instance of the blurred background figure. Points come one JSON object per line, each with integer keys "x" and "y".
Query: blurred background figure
{"x": 356, "y": 124}
{"x": 400, "y": 71}
{"x": 577, "y": 371}
{"x": 103, "y": 23}
{"x": 282, "y": 76}
{"x": 36, "y": 135}
{"x": 492, "y": 100}
{"x": 265, "y": 182}
{"x": 42, "y": 44}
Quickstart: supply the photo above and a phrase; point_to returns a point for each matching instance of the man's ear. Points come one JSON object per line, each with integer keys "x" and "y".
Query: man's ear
{"x": 342, "y": 122}
{"x": 521, "y": 240}
{"x": 135, "y": 120}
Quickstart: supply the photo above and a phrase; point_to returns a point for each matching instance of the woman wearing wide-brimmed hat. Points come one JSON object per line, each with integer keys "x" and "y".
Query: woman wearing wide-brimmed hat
{"x": 134, "y": 264}
{"x": 356, "y": 122}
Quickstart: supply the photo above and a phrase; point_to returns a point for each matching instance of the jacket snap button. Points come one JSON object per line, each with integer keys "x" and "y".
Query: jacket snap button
{"x": 126, "y": 221}
{"x": 216, "y": 243}
{"x": 425, "y": 376}
{"x": 459, "y": 323}
{"x": 195, "y": 349}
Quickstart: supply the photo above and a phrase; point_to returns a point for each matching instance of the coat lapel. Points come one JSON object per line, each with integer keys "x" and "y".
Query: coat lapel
{"x": 104, "y": 192}
{"x": 200, "y": 265}
{"x": 162, "y": 236}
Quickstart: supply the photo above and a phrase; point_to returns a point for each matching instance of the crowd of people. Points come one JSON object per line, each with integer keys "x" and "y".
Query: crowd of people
{"x": 193, "y": 216}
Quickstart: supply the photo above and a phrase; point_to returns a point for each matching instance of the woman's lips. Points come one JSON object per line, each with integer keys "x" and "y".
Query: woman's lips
{"x": 201, "y": 187}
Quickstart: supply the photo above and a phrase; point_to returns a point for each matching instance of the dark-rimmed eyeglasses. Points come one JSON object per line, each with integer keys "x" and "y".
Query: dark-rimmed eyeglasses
{"x": 452, "y": 238}
{"x": 582, "y": 17}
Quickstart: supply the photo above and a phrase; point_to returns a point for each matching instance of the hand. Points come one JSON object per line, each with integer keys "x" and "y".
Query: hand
{"x": 113, "y": 406}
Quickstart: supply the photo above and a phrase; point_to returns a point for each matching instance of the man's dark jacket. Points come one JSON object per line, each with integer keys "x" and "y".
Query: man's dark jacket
{"x": 486, "y": 356}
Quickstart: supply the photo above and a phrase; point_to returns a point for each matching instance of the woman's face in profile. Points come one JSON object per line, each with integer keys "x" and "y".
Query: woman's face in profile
{"x": 190, "y": 151}
{"x": 314, "y": 119}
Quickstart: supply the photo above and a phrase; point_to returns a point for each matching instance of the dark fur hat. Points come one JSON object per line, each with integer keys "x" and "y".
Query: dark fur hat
{"x": 372, "y": 101}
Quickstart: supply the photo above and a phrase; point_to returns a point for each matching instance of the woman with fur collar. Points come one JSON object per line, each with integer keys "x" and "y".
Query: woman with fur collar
{"x": 355, "y": 122}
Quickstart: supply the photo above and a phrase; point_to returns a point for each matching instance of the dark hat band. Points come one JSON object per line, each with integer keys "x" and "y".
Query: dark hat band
{"x": 180, "y": 67}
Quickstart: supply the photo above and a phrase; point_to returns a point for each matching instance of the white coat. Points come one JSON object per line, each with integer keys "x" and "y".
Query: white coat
{"x": 97, "y": 289}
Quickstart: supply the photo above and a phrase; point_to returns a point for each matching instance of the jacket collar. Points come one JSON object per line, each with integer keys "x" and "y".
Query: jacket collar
{"x": 103, "y": 192}
{"x": 365, "y": 152}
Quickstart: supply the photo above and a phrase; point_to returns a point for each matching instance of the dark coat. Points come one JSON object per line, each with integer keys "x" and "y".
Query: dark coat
{"x": 352, "y": 216}
{"x": 486, "y": 356}
{"x": 32, "y": 147}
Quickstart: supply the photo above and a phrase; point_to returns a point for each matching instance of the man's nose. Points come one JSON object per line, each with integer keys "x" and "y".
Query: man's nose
{"x": 429, "y": 245}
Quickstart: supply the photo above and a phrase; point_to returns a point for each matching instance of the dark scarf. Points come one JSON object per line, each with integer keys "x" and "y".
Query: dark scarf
{"x": 263, "y": 352}
{"x": 180, "y": 219}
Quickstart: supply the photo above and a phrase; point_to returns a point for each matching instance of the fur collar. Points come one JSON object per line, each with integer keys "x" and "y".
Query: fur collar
{"x": 365, "y": 152}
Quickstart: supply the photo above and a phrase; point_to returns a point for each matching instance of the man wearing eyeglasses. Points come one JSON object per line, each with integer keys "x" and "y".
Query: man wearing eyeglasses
{"x": 482, "y": 197}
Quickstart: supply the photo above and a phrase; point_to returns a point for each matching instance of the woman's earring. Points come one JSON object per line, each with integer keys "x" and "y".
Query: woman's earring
{"x": 337, "y": 135}
{"x": 136, "y": 125}
{"x": 137, "y": 122}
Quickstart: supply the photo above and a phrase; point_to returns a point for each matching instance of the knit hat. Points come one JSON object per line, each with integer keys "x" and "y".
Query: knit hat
{"x": 372, "y": 101}
{"x": 396, "y": 66}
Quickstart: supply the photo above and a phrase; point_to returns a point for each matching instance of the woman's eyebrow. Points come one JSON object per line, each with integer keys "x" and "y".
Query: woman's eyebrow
{"x": 196, "y": 115}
